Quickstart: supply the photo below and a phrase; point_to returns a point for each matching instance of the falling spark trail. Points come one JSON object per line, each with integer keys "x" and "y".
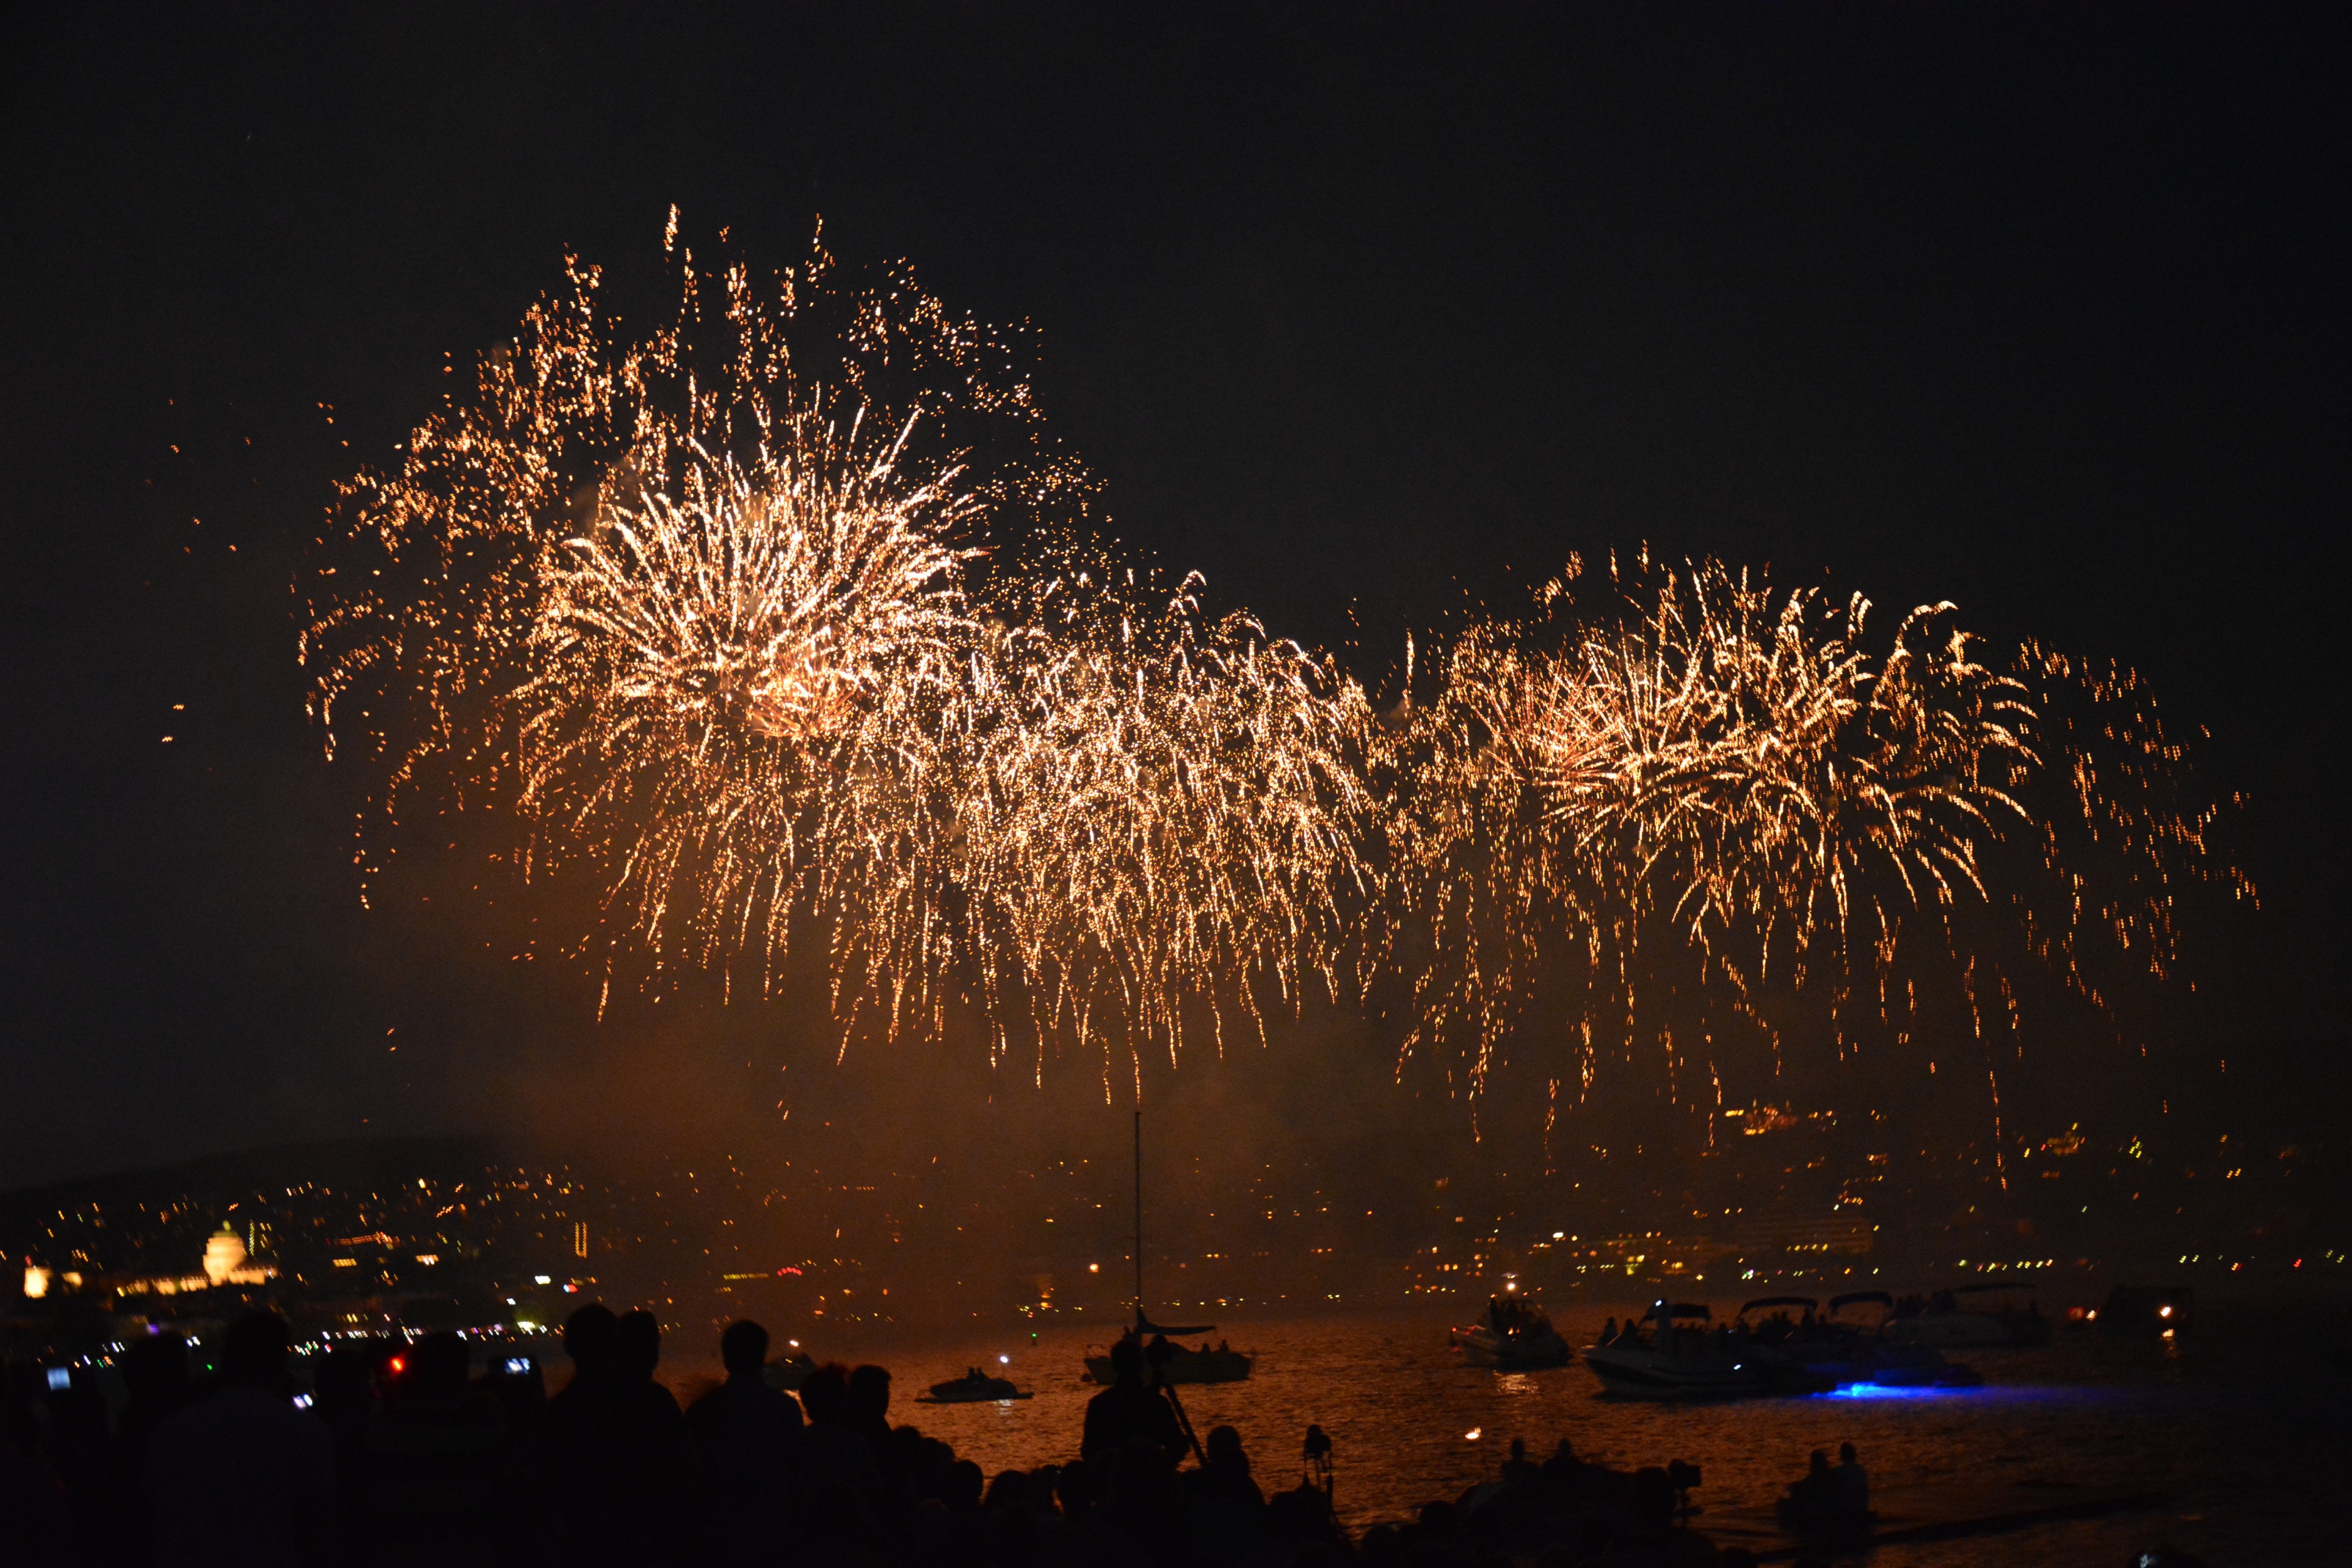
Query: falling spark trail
{"x": 786, "y": 621}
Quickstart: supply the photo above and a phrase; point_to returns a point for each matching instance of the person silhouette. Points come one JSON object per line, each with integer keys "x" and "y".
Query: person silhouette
{"x": 155, "y": 1377}
{"x": 1224, "y": 1509}
{"x": 247, "y": 1452}
{"x": 1563, "y": 1470}
{"x": 614, "y": 1442}
{"x": 1813, "y": 1499}
{"x": 439, "y": 1465}
{"x": 748, "y": 1441}
{"x": 869, "y": 1409}
{"x": 1128, "y": 1411}
{"x": 641, "y": 1344}
{"x": 1852, "y": 1483}
{"x": 838, "y": 1463}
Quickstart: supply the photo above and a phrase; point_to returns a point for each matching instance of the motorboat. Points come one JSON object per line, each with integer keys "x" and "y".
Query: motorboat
{"x": 1851, "y": 1351}
{"x": 1840, "y": 1345}
{"x": 1513, "y": 1336}
{"x": 1680, "y": 1358}
{"x": 1165, "y": 1359}
{"x": 974, "y": 1387}
{"x": 1972, "y": 1317}
{"x": 1174, "y": 1361}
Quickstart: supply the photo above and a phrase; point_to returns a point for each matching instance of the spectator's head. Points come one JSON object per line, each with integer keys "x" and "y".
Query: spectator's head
{"x": 1846, "y": 1454}
{"x": 438, "y": 1365}
{"x": 1226, "y": 1451}
{"x": 155, "y": 1369}
{"x": 591, "y": 1338}
{"x": 743, "y": 1348}
{"x": 869, "y": 1394}
{"x": 254, "y": 1351}
{"x": 1127, "y": 1361}
{"x": 344, "y": 1382}
{"x": 1008, "y": 1490}
{"x": 824, "y": 1395}
{"x": 640, "y": 1343}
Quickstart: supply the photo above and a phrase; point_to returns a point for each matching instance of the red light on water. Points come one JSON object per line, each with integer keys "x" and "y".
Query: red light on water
{"x": 787, "y": 1269}
{"x": 399, "y": 1365}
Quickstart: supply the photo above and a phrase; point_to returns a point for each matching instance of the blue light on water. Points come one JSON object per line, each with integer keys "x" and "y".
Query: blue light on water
{"x": 1888, "y": 1390}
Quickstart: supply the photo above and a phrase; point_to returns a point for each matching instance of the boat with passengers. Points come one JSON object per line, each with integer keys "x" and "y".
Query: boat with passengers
{"x": 1671, "y": 1353}
{"x": 1847, "y": 1343}
{"x": 1513, "y": 1335}
{"x": 1992, "y": 1315}
{"x": 974, "y": 1387}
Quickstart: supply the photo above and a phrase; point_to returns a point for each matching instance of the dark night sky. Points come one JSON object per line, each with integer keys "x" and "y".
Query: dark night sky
{"x": 2038, "y": 308}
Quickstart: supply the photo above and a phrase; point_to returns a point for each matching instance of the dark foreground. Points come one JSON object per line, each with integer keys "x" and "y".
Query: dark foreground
{"x": 408, "y": 1458}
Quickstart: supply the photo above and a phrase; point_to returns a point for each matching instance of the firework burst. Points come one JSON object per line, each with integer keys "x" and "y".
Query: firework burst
{"x": 717, "y": 635}
{"x": 1687, "y": 797}
{"x": 730, "y": 688}
{"x": 784, "y": 619}
{"x": 1164, "y": 809}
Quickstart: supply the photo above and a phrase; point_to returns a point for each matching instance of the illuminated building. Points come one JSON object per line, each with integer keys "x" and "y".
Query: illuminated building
{"x": 224, "y": 1254}
{"x": 226, "y": 1263}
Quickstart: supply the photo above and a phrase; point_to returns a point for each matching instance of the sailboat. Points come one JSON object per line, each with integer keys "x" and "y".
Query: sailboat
{"x": 1173, "y": 1362}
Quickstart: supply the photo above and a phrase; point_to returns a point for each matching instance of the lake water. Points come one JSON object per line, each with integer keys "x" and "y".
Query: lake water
{"x": 2243, "y": 1425}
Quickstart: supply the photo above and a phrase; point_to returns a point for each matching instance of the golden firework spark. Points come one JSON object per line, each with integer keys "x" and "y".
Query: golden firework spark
{"x": 1690, "y": 773}
{"x": 784, "y": 618}
{"x": 1163, "y": 809}
{"x": 711, "y": 631}
{"x": 732, "y": 691}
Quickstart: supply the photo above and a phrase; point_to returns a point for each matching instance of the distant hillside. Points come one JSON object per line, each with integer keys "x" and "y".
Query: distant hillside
{"x": 361, "y": 1162}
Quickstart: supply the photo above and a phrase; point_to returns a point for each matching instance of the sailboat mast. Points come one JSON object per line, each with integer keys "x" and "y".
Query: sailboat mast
{"x": 1139, "y": 1218}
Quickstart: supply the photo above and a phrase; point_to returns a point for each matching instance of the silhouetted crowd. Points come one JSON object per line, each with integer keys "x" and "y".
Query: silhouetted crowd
{"x": 404, "y": 1456}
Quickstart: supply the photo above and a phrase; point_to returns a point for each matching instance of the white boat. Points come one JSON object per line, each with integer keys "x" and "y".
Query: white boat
{"x": 1972, "y": 1317}
{"x": 1513, "y": 1337}
{"x": 1851, "y": 1349}
{"x": 1675, "y": 1361}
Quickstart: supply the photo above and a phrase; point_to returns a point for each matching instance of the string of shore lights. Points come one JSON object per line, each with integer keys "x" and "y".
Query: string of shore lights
{"x": 786, "y": 625}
